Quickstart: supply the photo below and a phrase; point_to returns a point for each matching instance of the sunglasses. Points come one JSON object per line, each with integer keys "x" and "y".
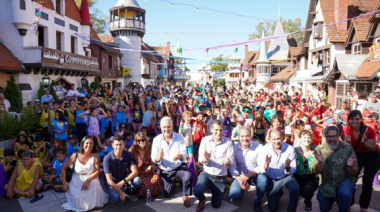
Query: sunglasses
{"x": 143, "y": 140}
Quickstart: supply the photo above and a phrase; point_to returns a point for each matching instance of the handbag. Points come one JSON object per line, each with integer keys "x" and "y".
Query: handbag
{"x": 57, "y": 184}
{"x": 70, "y": 171}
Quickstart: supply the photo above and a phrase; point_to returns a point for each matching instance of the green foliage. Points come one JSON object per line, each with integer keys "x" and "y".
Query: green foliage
{"x": 269, "y": 26}
{"x": 218, "y": 68}
{"x": 40, "y": 91}
{"x": 96, "y": 84}
{"x": 13, "y": 94}
{"x": 52, "y": 91}
{"x": 100, "y": 22}
{"x": 220, "y": 58}
{"x": 219, "y": 82}
{"x": 11, "y": 125}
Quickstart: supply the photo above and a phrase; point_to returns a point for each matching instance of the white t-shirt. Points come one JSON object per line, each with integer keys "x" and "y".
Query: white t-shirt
{"x": 72, "y": 93}
{"x": 361, "y": 103}
{"x": 7, "y": 104}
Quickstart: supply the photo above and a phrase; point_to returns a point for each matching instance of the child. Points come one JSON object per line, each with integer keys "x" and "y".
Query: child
{"x": 56, "y": 106}
{"x": 367, "y": 115}
{"x": 300, "y": 125}
{"x": 240, "y": 120}
{"x": 72, "y": 145}
{"x": 26, "y": 176}
{"x": 105, "y": 146}
{"x": 106, "y": 125}
{"x": 92, "y": 120}
{"x": 186, "y": 130}
{"x": 275, "y": 122}
{"x": 9, "y": 162}
{"x": 57, "y": 144}
{"x": 120, "y": 117}
{"x": 60, "y": 126}
{"x": 344, "y": 116}
{"x": 80, "y": 123}
{"x": 21, "y": 138}
{"x": 41, "y": 149}
{"x": 149, "y": 114}
{"x": 199, "y": 131}
{"x": 128, "y": 140}
{"x": 259, "y": 126}
{"x": 60, "y": 156}
{"x": 223, "y": 116}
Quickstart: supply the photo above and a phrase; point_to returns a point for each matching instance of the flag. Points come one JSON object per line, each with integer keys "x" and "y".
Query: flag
{"x": 125, "y": 70}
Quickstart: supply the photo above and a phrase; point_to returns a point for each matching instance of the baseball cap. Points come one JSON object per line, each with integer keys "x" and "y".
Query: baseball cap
{"x": 72, "y": 136}
{"x": 367, "y": 113}
{"x": 240, "y": 119}
{"x": 315, "y": 100}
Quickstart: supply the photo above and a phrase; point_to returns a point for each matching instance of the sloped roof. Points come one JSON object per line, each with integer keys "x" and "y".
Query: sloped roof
{"x": 248, "y": 59}
{"x": 149, "y": 57}
{"x": 295, "y": 51}
{"x": 279, "y": 47}
{"x": 93, "y": 34}
{"x": 348, "y": 64}
{"x": 127, "y": 3}
{"x": 258, "y": 53}
{"x": 106, "y": 38}
{"x": 49, "y": 4}
{"x": 361, "y": 28}
{"x": 72, "y": 11}
{"x": 369, "y": 68}
{"x": 284, "y": 74}
{"x": 8, "y": 62}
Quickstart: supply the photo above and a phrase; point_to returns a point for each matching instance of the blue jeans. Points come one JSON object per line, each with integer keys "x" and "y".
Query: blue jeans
{"x": 344, "y": 194}
{"x": 261, "y": 183}
{"x": 129, "y": 189}
{"x": 217, "y": 186}
{"x": 274, "y": 190}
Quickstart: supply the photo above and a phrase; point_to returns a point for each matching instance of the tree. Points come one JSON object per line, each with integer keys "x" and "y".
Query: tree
{"x": 218, "y": 65}
{"x": 218, "y": 68}
{"x": 219, "y": 82}
{"x": 96, "y": 84}
{"x": 269, "y": 26}
{"x": 13, "y": 95}
{"x": 40, "y": 91}
{"x": 52, "y": 91}
{"x": 100, "y": 22}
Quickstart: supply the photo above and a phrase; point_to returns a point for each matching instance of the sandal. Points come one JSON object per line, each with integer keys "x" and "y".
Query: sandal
{"x": 36, "y": 198}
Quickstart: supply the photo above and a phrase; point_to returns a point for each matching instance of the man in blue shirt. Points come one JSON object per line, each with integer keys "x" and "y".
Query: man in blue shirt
{"x": 84, "y": 91}
{"x": 119, "y": 184}
{"x": 279, "y": 163}
{"x": 47, "y": 98}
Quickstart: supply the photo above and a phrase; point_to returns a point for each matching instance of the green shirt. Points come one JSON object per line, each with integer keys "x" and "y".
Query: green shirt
{"x": 305, "y": 166}
{"x": 334, "y": 169}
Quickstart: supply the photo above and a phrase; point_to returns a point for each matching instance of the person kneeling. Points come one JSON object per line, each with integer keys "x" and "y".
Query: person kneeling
{"x": 26, "y": 175}
{"x": 119, "y": 184}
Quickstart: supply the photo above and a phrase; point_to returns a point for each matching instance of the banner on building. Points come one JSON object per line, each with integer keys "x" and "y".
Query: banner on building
{"x": 375, "y": 49}
{"x": 125, "y": 70}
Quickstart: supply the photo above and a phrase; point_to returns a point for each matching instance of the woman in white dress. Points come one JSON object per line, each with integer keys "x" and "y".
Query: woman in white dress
{"x": 84, "y": 191}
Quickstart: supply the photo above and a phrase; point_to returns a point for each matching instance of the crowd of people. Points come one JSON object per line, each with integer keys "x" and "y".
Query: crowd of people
{"x": 127, "y": 144}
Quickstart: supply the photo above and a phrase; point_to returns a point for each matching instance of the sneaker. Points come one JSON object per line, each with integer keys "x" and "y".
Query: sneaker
{"x": 133, "y": 198}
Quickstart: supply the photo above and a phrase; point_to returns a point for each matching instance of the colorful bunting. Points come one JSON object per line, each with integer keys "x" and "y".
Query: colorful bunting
{"x": 37, "y": 18}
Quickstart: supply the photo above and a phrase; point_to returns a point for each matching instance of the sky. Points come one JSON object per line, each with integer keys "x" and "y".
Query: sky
{"x": 184, "y": 23}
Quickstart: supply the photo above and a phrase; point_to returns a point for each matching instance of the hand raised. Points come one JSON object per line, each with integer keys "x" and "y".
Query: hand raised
{"x": 347, "y": 138}
{"x": 268, "y": 159}
{"x": 162, "y": 153}
{"x": 351, "y": 161}
{"x": 287, "y": 163}
{"x": 318, "y": 155}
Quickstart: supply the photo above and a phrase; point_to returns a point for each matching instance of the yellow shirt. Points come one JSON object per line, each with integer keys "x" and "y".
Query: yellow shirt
{"x": 52, "y": 115}
{"x": 43, "y": 118}
{"x": 25, "y": 177}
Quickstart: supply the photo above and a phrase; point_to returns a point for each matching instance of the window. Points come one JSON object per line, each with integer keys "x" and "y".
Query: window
{"x": 327, "y": 58}
{"x": 74, "y": 28}
{"x": 357, "y": 48}
{"x": 43, "y": 15}
{"x": 274, "y": 70}
{"x": 110, "y": 61}
{"x": 73, "y": 45}
{"x": 41, "y": 40}
{"x": 22, "y": 5}
{"x": 318, "y": 33}
{"x": 59, "y": 22}
{"x": 58, "y": 40}
{"x": 367, "y": 87}
{"x": 58, "y": 6}
{"x": 343, "y": 92}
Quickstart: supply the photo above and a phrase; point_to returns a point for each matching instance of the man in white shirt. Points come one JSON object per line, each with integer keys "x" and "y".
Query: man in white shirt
{"x": 73, "y": 92}
{"x": 216, "y": 154}
{"x": 169, "y": 151}
{"x": 5, "y": 102}
{"x": 246, "y": 171}
{"x": 280, "y": 165}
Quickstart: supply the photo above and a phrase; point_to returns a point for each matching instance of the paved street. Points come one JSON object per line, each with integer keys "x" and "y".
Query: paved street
{"x": 52, "y": 201}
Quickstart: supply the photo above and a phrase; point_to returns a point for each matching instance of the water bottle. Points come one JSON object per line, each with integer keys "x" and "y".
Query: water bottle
{"x": 148, "y": 197}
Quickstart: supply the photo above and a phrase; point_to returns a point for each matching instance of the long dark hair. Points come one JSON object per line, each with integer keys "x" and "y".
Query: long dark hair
{"x": 61, "y": 116}
{"x": 135, "y": 146}
{"x": 353, "y": 114}
{"x": 81, "y": 145}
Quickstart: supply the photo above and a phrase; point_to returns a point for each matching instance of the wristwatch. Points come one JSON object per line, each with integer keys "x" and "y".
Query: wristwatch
{"x": 125, "y": 182}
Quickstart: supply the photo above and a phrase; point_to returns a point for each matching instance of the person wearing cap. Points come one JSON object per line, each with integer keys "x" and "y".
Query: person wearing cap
{"x": 9, "y": 162}
{"x": 199, "y": 132}
{"x": 246, "y": 170}
{"x": 367, "y": 120}
{"x": 47, "y": 98}
{"x": 72, "y": 145}
{"x": 216, "y": 153}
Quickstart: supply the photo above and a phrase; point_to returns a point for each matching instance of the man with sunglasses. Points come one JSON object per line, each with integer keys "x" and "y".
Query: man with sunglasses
{"x": 169, "y": 152}
{"x": 120, "y": 184}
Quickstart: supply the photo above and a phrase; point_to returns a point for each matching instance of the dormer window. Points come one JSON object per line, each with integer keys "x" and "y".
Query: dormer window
{"x": 58, "y": 6}
{"x": 22, "y": 5}
{"x": 318, "y": 32}
{"x": 357, "y": 48}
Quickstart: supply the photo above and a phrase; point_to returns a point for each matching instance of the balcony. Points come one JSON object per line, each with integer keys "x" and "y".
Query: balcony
{"x": 181, "y": 77}
{"x": 145, "y": 76}
{"x": 232, "y": 79}
{"x": 131, "y": 24}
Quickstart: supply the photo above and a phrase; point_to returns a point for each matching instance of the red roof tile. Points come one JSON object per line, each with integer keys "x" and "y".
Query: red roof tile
{"x": 93, "y": 34}
{"x": 106, "y": 38}
{"x": 72, "y": 10}
{"x": 361, "y": 28}
{"x": 369, "y": 68}
{"x": 247, "y": 60}
{"x": 284, "y": 74}
{"x": 295, "y": 51}
{"x": 8, "y": 62}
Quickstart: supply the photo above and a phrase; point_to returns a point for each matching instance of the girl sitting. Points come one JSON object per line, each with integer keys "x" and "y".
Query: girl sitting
{"x": 25, "y": 177}
{"x": 9, "y": 162}
{"x": 57, "y": 144}
{"x": 60, "y": 156}
{"x": 19, "y": 140}
{"x": 274, "y": 123}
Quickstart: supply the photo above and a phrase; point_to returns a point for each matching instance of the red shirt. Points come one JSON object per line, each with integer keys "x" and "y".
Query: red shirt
{"x": 374, "y": 125}
{"x": 198, "y": 134}
{"x": 370, "y": 134}
{"x": 323, "y": 110}
{"x": 317, "y": 139}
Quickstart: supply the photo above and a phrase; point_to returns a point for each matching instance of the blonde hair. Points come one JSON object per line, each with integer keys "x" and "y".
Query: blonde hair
{"x": 186, "y": 114}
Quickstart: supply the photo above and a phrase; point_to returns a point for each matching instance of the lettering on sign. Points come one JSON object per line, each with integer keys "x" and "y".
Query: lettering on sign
{"x": 64, "y": 58}
{"x": 81, "y": 61}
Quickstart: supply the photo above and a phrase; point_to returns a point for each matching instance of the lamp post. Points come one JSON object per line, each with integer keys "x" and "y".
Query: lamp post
{"x": 46, "y": 80}
{"x": 84, "y": 81}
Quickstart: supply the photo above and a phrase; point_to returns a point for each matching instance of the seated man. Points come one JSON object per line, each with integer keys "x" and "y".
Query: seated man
{"x": 338, "y": 167}
{"x": 119, "y": 184}
{"x": 169, "y": 151}
{"x": 246, "y": 170}
{"x": 279, "y": 163}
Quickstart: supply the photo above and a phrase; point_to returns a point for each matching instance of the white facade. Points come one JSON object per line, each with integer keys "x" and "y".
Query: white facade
{"x": 26, "y": 48}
